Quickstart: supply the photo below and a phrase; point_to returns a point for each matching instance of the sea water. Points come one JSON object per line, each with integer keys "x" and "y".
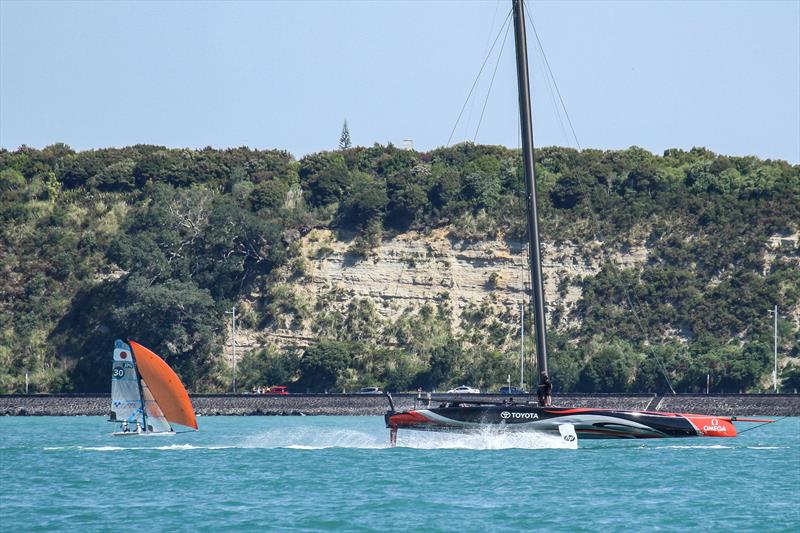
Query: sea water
{"x": 339, "y": 474}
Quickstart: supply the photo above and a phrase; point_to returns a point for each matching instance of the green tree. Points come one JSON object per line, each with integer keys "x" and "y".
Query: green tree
{"x": 269, "y": 195}
{"x": 325, "y": 178}
{"x": 266, "y": 367}
{"x": 443, "y": 365}
{"x": 366, "y": 202}
{"x": 482, "y": 189}
{"x": 610, "y": 369}
{"x": 790, "y": 379}
{"x": 569, "y": 190}
{"x": 323, "y": 365}
{"x": 344, "y": 138}
{"x": 565, "y": 364}
{"x": 11, "y": 180}
{"x": 407, "y": 197}
{"x": 659, "y": 364}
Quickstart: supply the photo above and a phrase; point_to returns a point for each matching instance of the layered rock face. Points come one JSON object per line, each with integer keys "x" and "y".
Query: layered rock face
{"x": 413, "y": 269}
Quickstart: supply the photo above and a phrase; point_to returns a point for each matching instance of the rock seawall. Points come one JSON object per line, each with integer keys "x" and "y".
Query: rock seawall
{"x": 354, "y": 404}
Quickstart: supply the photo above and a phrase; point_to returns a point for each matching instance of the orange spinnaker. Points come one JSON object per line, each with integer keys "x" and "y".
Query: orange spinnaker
{"x": 165, "y": 385}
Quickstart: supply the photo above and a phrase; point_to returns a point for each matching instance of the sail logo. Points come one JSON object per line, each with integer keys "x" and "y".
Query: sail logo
{"x": 505, "y": 415}
{"x": 569, "y": 438}
{"x": 122, "y": 355}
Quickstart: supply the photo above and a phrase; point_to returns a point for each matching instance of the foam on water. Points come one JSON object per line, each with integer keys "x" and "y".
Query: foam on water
{"x": 487, "y": 439}
{"x": 309, "y": 438}
{"x": 698, "y": 447}
{"x": 172, "y": 447}
{"x": 314, "y": 438}
{"x": 87, "y": 448}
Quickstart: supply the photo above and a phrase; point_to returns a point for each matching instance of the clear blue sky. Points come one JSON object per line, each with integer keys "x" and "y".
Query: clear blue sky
{"x": 725, "y": 75}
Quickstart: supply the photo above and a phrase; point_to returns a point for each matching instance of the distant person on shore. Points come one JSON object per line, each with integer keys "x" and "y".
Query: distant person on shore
{"x": 544, "y": 391}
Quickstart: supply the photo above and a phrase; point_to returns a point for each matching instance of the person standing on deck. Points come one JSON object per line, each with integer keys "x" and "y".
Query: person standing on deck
{"x": 544, "y": 391}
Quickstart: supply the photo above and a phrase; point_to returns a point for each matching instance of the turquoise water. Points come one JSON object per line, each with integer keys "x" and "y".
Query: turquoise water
{"x": 337, "y": 473}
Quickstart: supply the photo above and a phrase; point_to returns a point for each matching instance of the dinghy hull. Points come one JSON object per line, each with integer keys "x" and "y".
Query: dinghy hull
{"x": 135, "y": 434}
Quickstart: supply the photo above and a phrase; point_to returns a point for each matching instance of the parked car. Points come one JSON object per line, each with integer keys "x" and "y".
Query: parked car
{"x": 278, "y": 389}
{"x": 369, "y": 390}
{"x": 463, "y": 389}
{"x": 511, "y": 390}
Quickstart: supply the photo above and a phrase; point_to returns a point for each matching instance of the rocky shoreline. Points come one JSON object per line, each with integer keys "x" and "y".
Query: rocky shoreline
{"x": 366, "y": 405}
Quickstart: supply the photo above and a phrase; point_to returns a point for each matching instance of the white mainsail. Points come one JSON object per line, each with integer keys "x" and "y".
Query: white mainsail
{"x": 131, "y": 399}
{"x": 126, "y": 400}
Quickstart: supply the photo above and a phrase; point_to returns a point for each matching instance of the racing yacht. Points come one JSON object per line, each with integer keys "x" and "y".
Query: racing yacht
{"x": 460, "y": 414}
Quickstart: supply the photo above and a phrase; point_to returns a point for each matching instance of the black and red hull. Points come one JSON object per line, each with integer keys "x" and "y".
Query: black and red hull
{"x": 588, "y": 423}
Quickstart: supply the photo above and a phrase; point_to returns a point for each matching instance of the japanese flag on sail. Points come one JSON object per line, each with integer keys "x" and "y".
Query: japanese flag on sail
{"x": 122, "y": 352}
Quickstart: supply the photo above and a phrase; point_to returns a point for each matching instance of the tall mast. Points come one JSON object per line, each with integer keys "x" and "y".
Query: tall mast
{"x": 530, "y": 184}
{"x": 141, "y": 392}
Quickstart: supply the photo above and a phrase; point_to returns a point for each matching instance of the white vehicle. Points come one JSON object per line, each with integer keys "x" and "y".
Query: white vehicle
{"x": 369, "y": 390}
{"x": 463, "y": 389}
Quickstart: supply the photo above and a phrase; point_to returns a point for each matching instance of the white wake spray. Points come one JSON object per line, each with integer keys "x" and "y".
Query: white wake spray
{"x": 311, "y": 438}
{"x": 489, "y": 438}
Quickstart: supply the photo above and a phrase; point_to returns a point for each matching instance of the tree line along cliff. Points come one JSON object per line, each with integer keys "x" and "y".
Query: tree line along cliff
{"x": 155, "y": 244}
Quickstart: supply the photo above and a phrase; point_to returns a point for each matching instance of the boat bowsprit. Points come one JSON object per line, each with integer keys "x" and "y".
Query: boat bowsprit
{"x": 147, "y": 396}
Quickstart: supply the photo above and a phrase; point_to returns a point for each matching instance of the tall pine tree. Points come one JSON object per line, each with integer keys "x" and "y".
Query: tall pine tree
{"x": 344, "y": 139}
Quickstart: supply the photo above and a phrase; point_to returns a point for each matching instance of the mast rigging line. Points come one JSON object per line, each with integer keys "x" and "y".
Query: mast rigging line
{"x": 551, "y": 92}
{"x": 587, "y": 195}
{"x": 645, "y": 331}
{"x": 475, "y": 83}
{"x": 549, "y": 77}
{"x": 552, "y": 77}
{"x": 639, "y": 322}
{"x": 491, "y": 83}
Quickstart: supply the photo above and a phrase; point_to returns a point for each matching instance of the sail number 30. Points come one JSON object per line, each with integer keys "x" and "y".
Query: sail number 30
{"x": 118, "y": 373}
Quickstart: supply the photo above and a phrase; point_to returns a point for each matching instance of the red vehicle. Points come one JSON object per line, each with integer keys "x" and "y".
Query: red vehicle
{"x": 278, "y": 389}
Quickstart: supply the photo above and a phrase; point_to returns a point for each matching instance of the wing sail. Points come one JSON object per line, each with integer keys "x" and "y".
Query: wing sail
{"x": 165, "y": 386}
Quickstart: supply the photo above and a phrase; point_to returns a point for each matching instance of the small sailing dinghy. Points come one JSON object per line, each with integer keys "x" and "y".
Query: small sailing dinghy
{"x": 147, "y": 396}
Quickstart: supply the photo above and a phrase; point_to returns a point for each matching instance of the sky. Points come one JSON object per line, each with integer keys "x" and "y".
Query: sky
{"x": 286, "y": 75}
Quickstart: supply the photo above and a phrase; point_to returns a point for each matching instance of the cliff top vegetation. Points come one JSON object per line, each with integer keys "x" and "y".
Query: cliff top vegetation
{"x": 156, "y": 243}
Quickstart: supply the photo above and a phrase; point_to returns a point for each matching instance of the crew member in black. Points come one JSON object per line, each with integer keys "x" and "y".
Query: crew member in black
{"x": 544, "y": 391}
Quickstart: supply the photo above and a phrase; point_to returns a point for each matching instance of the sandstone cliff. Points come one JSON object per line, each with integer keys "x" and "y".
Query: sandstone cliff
{"x": 413, "y": 269}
